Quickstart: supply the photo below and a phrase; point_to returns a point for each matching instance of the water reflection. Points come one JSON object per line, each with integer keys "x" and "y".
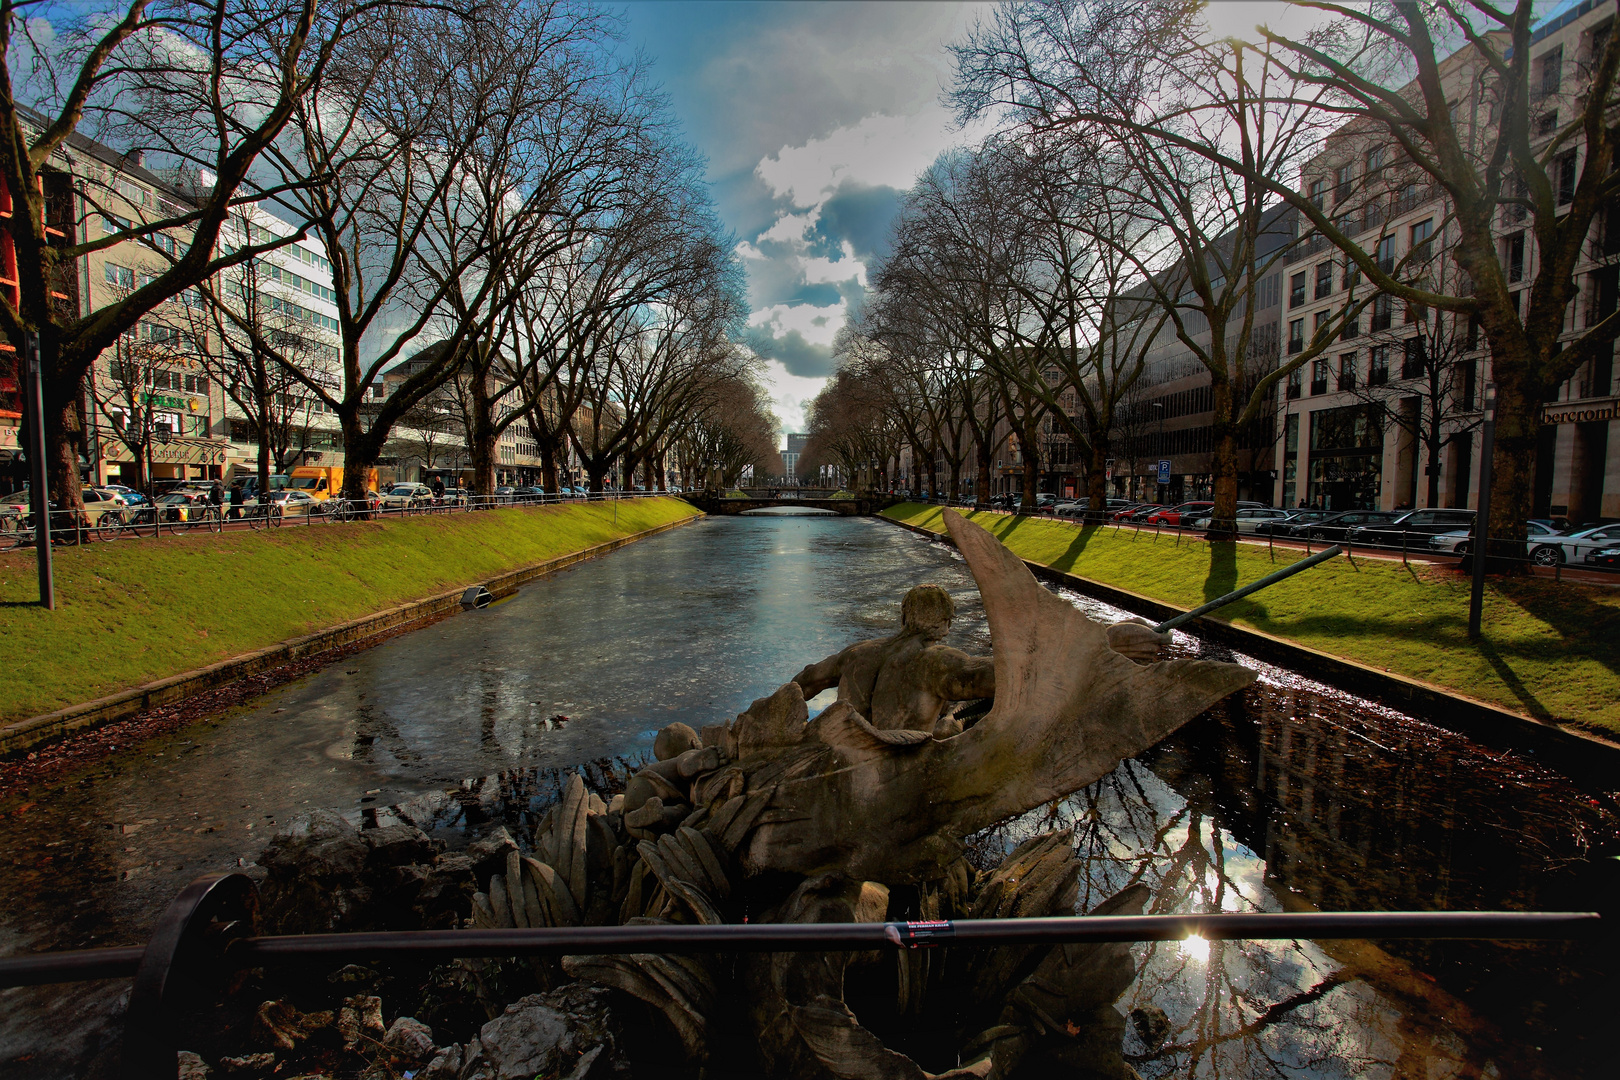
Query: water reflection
{"x": 1289, "y": 797}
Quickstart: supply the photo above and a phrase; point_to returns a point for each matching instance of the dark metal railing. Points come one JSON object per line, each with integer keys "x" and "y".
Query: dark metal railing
{"x": 207, "y": 932}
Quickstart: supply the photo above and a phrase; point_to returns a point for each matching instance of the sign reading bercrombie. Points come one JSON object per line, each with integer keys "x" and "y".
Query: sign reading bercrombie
{"x": 1581, "y": 412}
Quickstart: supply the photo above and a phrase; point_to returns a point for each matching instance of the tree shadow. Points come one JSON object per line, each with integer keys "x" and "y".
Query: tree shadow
{"x": 1531, "y": 703}
{"x": 1077, "y": 547}
{"x": 1223, "y": 570}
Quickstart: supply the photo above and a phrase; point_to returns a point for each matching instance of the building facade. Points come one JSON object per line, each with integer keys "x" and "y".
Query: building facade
{"x": 1392, "y": 417}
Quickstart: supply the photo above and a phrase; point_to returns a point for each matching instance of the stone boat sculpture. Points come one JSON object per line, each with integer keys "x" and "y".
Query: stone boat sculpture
{"x": 779, "y": 817}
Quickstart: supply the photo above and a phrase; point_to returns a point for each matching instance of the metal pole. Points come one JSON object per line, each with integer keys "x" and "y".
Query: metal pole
{"x": 774, "y": 937}
{"x": 1482, "y": 518}
{"x": 1270, "y": 579}
{"x": 39, "y": 495}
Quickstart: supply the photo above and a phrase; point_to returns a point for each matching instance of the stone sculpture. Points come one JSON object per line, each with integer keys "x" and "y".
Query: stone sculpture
{"x": 861, "y": 814}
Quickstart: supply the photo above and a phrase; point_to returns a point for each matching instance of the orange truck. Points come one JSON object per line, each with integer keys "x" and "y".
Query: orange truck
{"x": 321, "y": 482}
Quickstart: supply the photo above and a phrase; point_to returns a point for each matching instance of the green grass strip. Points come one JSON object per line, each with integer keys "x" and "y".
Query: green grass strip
{"x": 1550, "y": 650}
{"x": 133, "y": 611}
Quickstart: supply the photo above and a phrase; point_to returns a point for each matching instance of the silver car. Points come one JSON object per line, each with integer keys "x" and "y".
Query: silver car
{"x": 1574, "y": 547}
{"x": 1248, "y": 520}
{"x": 1460, "y": 541}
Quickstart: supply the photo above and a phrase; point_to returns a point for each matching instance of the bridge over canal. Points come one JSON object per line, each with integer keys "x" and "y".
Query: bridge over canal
{"x": 860, "y": 506}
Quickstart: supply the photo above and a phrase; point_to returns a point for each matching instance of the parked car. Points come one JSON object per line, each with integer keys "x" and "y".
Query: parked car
{"x": 407, "y": 496}
{"x": 1575, "y": 546}
{"x": 1460, "y": 541}
{"x": 1249, "y": 519}
{"x": 1172, "y": 515}
{"x": 1608, "y": 557}
{"x": 1140, "y": 513}
{"x": 291, "y": 502}
{"x": 1411, "y": 529}
{"x": 99, "y": 503}
{"x": 182, "y": 507}
{"x": 1334, "y": 527}
{"x": 130, "y": 496}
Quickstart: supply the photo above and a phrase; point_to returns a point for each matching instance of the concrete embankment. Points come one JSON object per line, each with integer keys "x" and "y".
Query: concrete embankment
{"x": 147, "y": 623}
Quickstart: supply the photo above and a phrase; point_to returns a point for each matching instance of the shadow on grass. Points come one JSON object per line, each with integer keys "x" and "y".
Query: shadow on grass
{"x": 1223, "y": 570}
{"x": 1574, "y": 615}
{"x": 1077, "y": 547}
{"x": 1510, "y": 679}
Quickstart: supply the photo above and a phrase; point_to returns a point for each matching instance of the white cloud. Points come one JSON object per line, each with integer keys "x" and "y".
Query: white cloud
{"x": 790, "y": 394}
{"x": 880, "y": 150}
{"x": 817, "y": 325}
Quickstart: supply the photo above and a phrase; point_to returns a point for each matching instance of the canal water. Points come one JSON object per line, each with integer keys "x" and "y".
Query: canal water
{"x": 1289, "y": 797}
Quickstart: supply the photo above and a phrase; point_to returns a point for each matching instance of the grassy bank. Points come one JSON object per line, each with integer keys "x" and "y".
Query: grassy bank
{"x": 1549, "y": 650}
{"x": 133, "y": 611}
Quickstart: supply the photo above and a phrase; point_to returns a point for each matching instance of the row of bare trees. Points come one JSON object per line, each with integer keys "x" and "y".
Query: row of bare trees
{"x": 516, "y": 234}
{"x": 1153, "y": 183}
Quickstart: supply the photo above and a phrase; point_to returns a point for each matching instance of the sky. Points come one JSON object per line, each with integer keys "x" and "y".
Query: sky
{"x": 815, "y": 118}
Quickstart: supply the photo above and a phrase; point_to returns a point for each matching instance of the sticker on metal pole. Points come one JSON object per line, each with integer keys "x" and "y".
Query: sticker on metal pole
{"x": 920, "y": 935}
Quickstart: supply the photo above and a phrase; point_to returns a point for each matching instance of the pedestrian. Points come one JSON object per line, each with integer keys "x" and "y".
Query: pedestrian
{"x": 438, "y": 489}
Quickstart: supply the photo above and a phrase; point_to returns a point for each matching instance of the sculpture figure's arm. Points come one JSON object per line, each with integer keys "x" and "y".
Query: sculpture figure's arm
{"x": 820, "y": 676}
{"x": 968, "y": 678}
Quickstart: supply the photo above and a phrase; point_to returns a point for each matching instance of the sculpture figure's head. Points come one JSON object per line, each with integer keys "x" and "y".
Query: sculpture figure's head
{"x": 927, "y": 610}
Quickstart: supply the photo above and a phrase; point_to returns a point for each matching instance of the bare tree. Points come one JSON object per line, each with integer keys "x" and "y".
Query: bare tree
{"x": 1145, "y": 88}
{"x": 1504, "y": 138}
{"x": 206, "y": 85}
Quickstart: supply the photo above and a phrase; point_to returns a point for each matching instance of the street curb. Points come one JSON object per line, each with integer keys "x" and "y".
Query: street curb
{"x": 1567, "y": 749}
{"x": 20, "y": 735}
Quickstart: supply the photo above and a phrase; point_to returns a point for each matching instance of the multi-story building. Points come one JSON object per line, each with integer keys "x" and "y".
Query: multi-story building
{"x": 1391, "y": 417}
{"x": 790, "y": 457}
{"x": 285, "y": 299}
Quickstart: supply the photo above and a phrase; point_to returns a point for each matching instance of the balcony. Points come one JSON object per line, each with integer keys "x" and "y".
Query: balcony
{"x": 1311, "y": 245}
{"x": 1347, "y": 382}
{"x": 1293, "y": 391}
{"x": 1318, "y": 387}
{"x": 1378, "y": 376}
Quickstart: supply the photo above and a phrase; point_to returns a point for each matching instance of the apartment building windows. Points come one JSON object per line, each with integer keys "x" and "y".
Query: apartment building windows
{"x": 119, "y": 277}
{"x": 1343, "y": 177}
{"x": 1296, "y": 290}
{"x": 1319, "y": 193}
{"x": 1320, "y": 371}
{"x": 1351, "y": 328}
{"x": 1564, "y": 170}
{"x": 1375, "y": 162}
{"x": 1378, "y": 366}
{"x": 1385, "y": 254}
{"x": 1552, "y": 69}
{"x": 1319, "y": 322}
{"x": 1352, "y": 274}
{"x": 1347, "y": 371}
{"x": 1324, "y": 280}
{"x": 1513, "y": 257}
{"x": 1547, "y": 123}
{"x": 1296, "y": 380}
{"x": 1296, "y": 336}
{"x": 1413, "y": 358}
{"x": 1383, "y": 312}
{"x": 1422, "y": 249}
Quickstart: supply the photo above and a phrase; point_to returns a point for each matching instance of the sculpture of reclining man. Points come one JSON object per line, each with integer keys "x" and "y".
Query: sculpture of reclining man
{"x": 910, "y": 681}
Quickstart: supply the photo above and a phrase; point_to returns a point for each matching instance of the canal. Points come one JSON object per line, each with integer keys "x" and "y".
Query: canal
{"x": 1288, "y": 797}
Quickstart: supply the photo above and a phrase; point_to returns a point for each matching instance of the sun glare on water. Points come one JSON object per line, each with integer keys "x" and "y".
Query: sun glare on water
{"x": 1196, "y": 947}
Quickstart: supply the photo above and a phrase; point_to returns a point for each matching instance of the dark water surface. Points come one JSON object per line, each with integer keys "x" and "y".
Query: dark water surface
{"x": 1288, "y": 797}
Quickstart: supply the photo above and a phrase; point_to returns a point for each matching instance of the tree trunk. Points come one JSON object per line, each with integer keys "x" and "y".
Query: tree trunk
{"x": 1431, "y": 469}
{"x": 1097, "y": 480}
{"x": 933, "y": 475}
{"x": 1223, "y": 457}
{"x": 981, "y": 488}
{"x": 483, "y": 435}
{"x": 1513, "y": 479}
{"x": 63, "y": 436}
{"x": 360, "y": 450}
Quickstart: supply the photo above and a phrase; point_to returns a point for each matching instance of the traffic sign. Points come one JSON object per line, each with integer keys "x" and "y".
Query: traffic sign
{"x": 1164, "y": 471}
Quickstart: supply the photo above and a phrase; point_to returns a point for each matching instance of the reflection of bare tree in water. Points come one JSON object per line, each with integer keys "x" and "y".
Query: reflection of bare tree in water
{"x": 1244, "y": 1009}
